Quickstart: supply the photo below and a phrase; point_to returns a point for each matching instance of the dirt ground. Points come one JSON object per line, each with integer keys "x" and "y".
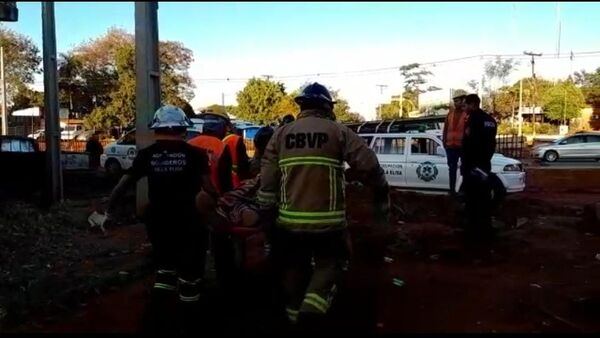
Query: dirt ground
{"x": 541, "y": 275}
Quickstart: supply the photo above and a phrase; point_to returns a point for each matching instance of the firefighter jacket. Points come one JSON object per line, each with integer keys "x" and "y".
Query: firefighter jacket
{"x": 302, "y": 172}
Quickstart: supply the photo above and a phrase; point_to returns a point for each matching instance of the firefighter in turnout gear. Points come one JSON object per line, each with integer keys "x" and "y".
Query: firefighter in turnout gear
{"x": 303, "y": 198}
{"x": 177, "y": 172}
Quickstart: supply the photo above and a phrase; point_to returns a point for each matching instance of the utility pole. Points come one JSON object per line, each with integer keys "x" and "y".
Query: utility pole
{"x": 534, "y": 96}
{"x": 223, "y": 100}
{"x": 520, "y": 132}
{"x": 54, "y": 179}
{"x": 381, "y": 87}
{"x": 4, "y": 114}
{"x": 147, "y": 82}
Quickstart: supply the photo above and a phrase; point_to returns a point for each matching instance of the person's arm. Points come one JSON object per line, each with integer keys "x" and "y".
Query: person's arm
{"x": 243, "y": 168}
{"x": 363, "y": 160}
{"x": 138, "y": 170}
{"x": 445, "y": 132}
{"x": 270, "y": 174}
{"x": 225, "y": 169}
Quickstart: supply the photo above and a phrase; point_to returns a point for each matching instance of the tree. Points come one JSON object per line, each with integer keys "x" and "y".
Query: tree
{"x": 259, "y": 99}
{"x": 590, "y": 86}
{"x": 26, "y": 98}
{"x": 415, "y": 79}
{"x": 21, "y": 60}
{"x": 496, "y": 71}
{"x": 563, "y": 101}
{"x": 341, "y": 109}
{"x": 106, "y": 69}
{"x": 474, "y": 85}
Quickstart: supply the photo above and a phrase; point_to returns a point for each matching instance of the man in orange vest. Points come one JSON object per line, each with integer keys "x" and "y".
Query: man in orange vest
{"x": 219, "y": 158}
{"x": 454, "y": 130}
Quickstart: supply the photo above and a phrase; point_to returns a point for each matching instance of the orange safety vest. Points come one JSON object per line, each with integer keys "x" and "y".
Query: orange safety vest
{"x": 455, "y": 130}
{"x": 231, "y": 141}
{"x": 214, "y": 148}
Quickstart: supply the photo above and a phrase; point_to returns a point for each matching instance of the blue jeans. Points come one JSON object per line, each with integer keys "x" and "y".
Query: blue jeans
{"x": 453, "y": 155}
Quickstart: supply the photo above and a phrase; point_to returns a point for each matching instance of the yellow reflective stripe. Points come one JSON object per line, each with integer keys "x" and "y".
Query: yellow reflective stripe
{"x": 164, "y": 286}
{"x": 189, "y": 299}
{"x": 311, "y": 214}
{"x": 266, "y": 197}
{"x": 167, "y": 272}
{"x": 310, "y": 158}
{"x": 316, "y": 305}
{"x": 315, "y": 298}
{"x": 310, "y": 221}
{"x": 284, "y": 173}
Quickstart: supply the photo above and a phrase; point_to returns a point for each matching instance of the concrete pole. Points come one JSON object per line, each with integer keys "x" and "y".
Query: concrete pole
{"x": 4, "y": 114}
{"x": 520, "y": 133}
{"x": 147, "y": 83}
{"x": 54, "y": 179}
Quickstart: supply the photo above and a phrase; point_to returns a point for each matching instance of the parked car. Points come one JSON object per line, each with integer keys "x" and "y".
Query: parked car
{"x": 417, "y": 161}
{"x": 36, "y": 135}
{"x": 69, "y": 132}
{"x": 23, "y": 168}
{"x": 578, "y": 146}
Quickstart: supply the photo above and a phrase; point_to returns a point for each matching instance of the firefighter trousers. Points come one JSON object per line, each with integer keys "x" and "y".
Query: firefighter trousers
{"x": 310, "y": 267}
{"x": 179, "y": 254}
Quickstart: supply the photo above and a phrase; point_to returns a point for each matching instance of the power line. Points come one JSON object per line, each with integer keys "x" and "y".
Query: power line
{"x": 586, "y": 54}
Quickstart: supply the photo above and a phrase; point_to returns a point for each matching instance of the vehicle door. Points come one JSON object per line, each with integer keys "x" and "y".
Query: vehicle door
{"x": 126, "y": 150}
{"x": 572, "y": 147}
{"x": 592, "y": 146}
{"x": 391, "y": 152}
{"x": 426, "y": 166}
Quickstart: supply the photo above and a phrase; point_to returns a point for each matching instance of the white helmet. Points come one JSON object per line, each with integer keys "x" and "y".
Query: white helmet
{"x": 170, "y": 117}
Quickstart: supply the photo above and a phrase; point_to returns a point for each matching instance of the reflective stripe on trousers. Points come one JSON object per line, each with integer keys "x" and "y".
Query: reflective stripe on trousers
{"x": 189, "y": 291}
{"x": 166, "y": 280}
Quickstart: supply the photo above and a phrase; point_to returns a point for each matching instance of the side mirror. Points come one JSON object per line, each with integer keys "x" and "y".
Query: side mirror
{"x": 440, "y": 151}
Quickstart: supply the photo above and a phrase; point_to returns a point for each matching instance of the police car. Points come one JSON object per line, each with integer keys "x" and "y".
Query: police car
{"x": 416, "y": 160}
{"x": 119, "y": 155}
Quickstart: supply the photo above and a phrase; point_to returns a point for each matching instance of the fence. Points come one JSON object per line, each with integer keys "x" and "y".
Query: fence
{"x": 76, "y": 146}
{"x": 512, "y": 146}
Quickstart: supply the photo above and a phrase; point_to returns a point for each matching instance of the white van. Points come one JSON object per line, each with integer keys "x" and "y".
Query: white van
{"x": 119, "y": 155}
{"x": 417, "y": 161}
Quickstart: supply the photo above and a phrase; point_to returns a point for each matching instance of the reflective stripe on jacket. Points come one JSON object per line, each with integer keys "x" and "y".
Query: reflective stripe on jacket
{"x": 302, "y": 172}
{"x": 214, "y": 149}
{"x": 231, "y": 141}
{"x": 455, "y": 129}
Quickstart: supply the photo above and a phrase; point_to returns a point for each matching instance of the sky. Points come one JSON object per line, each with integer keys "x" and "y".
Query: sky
{"x": 294, "y": 41}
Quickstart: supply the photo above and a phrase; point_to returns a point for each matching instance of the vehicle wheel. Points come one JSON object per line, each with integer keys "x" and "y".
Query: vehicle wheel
{"x": 551, "y": 156}
{"x": 113, "y": 167}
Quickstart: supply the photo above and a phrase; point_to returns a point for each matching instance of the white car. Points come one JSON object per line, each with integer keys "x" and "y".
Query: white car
{"x": 119, "y": 155}
{"x": 417, "y": 161}
{"x": 69, "y": 132}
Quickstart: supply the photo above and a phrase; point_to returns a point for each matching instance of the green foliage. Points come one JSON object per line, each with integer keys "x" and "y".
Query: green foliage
{"x": 415, "y": 79}
{"x": 22, "y": 61}
{"x": 391, "y": 110}
{"x": 258, "y": 100}
{"x": 505, "y": 128}
{"x": 590, "y": 86}
{"x": 105, "y": 68}
{"x": 563, "y": 101}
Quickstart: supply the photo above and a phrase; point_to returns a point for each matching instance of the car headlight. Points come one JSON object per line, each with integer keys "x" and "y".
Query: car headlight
{"x": 513, "y": 167}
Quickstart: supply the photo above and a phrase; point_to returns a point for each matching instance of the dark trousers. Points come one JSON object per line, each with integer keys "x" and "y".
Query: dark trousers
{"x": 310, "y": 267}
{"x": 179, "y": 254}
{"x": 478, "y": 207}
{"x": 453, "y": 155}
